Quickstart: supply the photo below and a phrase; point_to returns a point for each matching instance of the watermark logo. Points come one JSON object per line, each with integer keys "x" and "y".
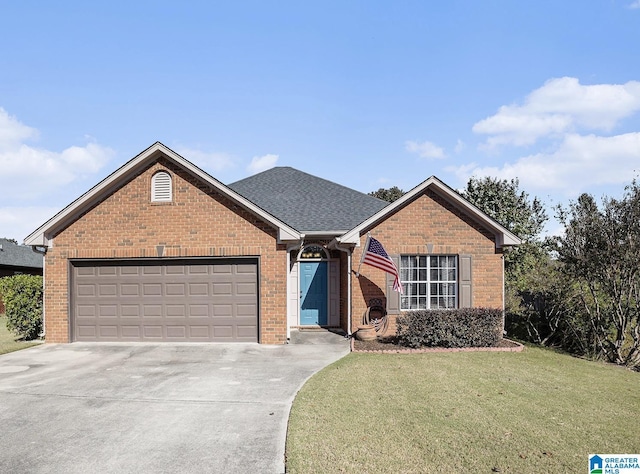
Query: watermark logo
{"x": 614, "y": 463}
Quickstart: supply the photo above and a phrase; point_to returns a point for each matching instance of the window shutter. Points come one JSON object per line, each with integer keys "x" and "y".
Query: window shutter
{"x": 393, "y": 297}
{"x": 161, "y": 187}
{"x": 466, "y": 287}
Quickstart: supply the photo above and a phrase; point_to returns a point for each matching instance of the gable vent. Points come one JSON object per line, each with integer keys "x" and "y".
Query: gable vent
{"x": 161, "y": 187}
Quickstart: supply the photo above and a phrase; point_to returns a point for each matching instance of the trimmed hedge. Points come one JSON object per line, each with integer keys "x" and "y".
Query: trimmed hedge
{"x": 467, "y": 327}
{"x": 22, "y": 295}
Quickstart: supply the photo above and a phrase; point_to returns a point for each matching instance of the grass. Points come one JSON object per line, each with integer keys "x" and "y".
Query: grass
{"x": 8, "y": 341}
{"x": 534, "y": 411}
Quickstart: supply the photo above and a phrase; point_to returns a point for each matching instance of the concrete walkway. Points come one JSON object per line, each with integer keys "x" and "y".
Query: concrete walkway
{"x": 154, "y": 408}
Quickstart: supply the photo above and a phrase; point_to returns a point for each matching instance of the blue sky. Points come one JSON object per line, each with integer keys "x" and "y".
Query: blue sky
{"x": 366, "y": 94}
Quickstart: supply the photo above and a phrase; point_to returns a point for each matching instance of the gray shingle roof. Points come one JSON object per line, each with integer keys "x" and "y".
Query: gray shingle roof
{"x": 305, "y": 202}
{"x": 13, "y": 255}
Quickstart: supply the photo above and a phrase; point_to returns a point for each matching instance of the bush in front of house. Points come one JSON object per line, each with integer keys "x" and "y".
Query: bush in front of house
{"x": 465, "y": 327}
{"x": 22, "y": 295}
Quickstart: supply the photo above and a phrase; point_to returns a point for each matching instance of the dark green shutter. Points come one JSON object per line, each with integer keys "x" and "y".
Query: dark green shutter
{"x": 465, "y": 283}
{"x": 393, "y": 297}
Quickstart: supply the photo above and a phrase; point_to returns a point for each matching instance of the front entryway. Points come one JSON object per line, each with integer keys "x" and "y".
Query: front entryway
{"x": 313, "y": 293}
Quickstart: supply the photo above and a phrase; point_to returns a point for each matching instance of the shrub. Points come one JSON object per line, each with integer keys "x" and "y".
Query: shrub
{"x": 467, "y": 327}
{"x": 22, "y": 295}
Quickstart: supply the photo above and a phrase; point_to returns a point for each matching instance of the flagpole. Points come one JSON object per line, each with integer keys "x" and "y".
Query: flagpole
{"x": 366, "y": 246}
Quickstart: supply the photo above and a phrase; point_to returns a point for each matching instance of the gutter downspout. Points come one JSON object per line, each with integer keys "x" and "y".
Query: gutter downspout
{"x": 43, "y": 251}
{"x": 348, "y": 251}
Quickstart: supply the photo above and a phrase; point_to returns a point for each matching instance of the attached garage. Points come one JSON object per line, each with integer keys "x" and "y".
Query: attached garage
{"x": 193, "y": 300}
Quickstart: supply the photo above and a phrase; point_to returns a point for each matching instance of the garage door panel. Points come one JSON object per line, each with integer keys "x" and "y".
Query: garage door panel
{"x": 220, "y": 289}
{"x": 198, "y": 289}
{"x": 174, "y": 270}
{"x": 198, "y": 311}
{"x": 152, "y": 289}
{"x": 245, "y": 331}
{"x": 247, "y": 310}
{"x": 151, "y": 310}
{"x": 198, "y": 269}
{"x": 245, "y": 289}
{"x": 129, "y": 289}
{"x": 151, "y": 270}
{"x": 200, "y": 332}
{"x": 165, "y": 301}
{"x": 129, "y": 311}
{"x": 249, "y": 269}
{"x": 174, "y": 310}
{"x": 175, "y": 289}
{"x": 222, "y": 269}
{"x": 130, "y": 332}
{"x": 108, "y": 332}
{"x": 107, "y": 311}
{"x": 130, "y": 270}
{"x": 107, "y": 271}
{"x": 84, "y": 289}
{"x": 87, "y": 331}
{"x": 86, "y": 311}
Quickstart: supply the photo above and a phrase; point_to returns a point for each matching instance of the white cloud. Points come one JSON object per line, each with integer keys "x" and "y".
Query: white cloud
{"x": 634, "y": 5}
{"x": 210, "y": 162}
{"x": 262, "y": 163}
{"x": 460, "y": 146}
{"x": 424, "y": 149}
{"x": 18, "y": 222}
{"x": 561, "y": 106}
{"x": 578, "y": 164}
{"x": 12, "y": 131}
{"x": 28, "y": 172}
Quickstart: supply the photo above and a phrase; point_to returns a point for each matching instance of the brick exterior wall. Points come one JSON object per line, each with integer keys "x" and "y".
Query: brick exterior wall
{"x": 199, "y": 222}
{"x": 430, "y": 220}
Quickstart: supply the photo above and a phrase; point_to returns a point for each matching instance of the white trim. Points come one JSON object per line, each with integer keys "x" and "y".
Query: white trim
{"x": 503, "y": 236}
{"x": 69, "y": 214}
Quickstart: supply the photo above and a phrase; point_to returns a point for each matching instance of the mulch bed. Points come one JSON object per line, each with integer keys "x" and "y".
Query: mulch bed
{"x": 390, "y": 345}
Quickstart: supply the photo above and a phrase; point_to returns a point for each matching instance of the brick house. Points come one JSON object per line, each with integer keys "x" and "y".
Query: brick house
{"x": 162, "y": 251}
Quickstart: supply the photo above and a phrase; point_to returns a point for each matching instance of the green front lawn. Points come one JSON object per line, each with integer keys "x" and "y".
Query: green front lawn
{"x": 479, "y": 412}
{"x": 8, "y": 342}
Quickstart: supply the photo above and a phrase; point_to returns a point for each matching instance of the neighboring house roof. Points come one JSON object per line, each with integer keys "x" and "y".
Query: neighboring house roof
{"x": 123, "y": 174}
{"x": 503, "y": 236}
{"x": 13, "y": 255}
{"x": 307, "y": 203}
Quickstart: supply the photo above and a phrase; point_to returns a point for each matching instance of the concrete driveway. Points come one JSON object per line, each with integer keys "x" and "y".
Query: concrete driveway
{"x": 142, "y": 408}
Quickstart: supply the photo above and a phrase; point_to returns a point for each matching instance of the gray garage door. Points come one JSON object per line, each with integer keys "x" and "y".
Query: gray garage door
{"x": 186, "y": 300}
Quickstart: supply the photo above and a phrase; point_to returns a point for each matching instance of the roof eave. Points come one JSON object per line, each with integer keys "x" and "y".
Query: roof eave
{"x": 503, "y": 237}
{"x": 42, "y": 235}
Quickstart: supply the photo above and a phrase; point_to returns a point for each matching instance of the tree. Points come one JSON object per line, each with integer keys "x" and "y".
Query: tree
{"x": 22, "y": 295}
{"x": 600, "y": 251}
{"x": 506, "y": 203}
{"x": 389, "y": 195}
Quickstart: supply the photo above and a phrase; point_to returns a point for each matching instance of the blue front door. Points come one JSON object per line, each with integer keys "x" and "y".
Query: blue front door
{"x": 313, "y": 293}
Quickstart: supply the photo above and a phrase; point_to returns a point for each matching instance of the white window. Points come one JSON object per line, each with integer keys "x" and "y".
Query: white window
{"x": 429, "y": 281}
{"x": 161, "y": 187}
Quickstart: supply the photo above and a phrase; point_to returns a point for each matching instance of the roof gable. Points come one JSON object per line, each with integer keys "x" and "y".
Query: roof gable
{"x": 503, "y": 236}
{"x": 122, "y": 175}
{"x": 308, "y": 203}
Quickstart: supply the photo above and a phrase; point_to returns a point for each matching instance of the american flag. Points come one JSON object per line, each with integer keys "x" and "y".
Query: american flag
{"x": 376, "y": 256}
